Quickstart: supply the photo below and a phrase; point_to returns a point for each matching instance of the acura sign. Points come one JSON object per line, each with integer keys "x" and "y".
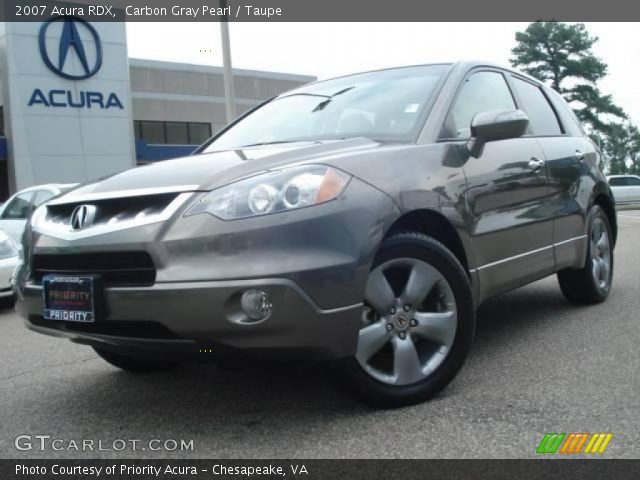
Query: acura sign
{"x": 59, "y": 59}
{"x": 68, "y": 111}
{"x": 71, "y": 39}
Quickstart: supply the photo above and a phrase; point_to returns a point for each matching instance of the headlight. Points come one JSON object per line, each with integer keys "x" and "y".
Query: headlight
{"x": 8, "y": 249}
{"x": 272, "y": 192}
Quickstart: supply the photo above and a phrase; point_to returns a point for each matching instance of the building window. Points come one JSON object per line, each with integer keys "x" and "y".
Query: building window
{"x": 177, "y": 133}
{"x": 4, "y": 181}
{"x": 137, "y": 129}
{"x": 172, "y": 133}
{"x": 153, "y": 132}
{"x": 199, "y": 132}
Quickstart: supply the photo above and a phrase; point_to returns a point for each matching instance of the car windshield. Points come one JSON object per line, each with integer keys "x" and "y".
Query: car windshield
{"x": 382, "y": 105}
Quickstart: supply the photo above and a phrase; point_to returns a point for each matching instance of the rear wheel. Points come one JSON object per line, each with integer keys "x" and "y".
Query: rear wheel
{"x": 592, "y": 283}
{"x": 132, "y": 363}
{"x": 417, "y": 324}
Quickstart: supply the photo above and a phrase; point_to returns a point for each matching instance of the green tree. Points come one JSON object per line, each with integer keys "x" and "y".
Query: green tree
{"x": 615, "y": 147}
{"x": 633, "y": 149}
{"x": 560, "y": 55}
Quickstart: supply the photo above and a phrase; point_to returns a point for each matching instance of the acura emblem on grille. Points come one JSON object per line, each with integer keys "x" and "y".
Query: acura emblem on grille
{"x": 83, "y": 216}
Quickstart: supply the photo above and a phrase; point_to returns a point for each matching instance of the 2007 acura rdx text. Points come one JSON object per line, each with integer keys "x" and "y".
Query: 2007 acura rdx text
{"x": 360, "y": 219}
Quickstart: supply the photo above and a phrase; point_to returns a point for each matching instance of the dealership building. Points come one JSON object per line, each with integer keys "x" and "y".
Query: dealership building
{"x": 76, "y": 108}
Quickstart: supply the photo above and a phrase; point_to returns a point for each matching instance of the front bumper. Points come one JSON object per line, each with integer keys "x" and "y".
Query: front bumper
{"x": 312, "y": 262}
{"x": 196, "y": 317}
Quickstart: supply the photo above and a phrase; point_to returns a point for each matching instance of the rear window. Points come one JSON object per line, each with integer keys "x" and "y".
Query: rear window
{"x": 542, "y": 118}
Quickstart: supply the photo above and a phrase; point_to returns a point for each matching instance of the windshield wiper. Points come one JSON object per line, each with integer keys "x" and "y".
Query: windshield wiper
{"x": 259, "y": 144}
{"x": 324, "y": 103}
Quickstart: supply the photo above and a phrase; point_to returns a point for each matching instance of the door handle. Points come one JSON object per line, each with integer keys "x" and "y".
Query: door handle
{"x": 579, "y": 156}
{"x": 535, "y": 164}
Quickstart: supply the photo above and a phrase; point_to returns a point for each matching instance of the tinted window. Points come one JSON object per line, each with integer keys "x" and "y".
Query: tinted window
{"x": 624, "y": 182}
{"x": 153, "y": 132}
{"x": 19, "y": 208}
{"x": 633, "y": 181}
{"x": 199, "y": 133}
{"x": 4, "y": 181}
{"x": 569, "y": 119}
{"x": 137, "y": 129}
{"x": 172, "y": 133}
{"x": 617, "y": 181}
{"x": 41, "y": 197}
{"x": 481, "y": 92}
{"x": 542, "y": 118}
{"x": 177, "y": 133}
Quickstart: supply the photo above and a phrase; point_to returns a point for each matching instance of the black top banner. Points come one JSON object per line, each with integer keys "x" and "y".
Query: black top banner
{"x": 322, "y": 11}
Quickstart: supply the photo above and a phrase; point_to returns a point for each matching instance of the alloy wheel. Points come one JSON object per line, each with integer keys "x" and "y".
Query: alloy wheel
{"x": 600, "y": 254}
{"x": 409, "y": 322}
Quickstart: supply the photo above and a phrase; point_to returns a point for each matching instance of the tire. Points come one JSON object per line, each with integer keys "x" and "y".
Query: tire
{"x": 7, "y": 303}
{"x": 440, "y": 325}
{"x": 580, "y": 286}
{"x": 132, "y": 363}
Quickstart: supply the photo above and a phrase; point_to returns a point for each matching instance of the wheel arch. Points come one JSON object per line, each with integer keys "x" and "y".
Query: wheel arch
{"x": 434, "y": 224}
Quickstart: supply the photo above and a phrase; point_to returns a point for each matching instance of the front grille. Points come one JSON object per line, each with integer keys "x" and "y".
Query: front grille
{"x": 113, "y": 210}
{"x": 117, "y": 269}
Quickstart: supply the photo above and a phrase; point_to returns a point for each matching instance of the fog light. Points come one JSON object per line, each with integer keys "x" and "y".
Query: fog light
{"x": 256, "y": 304}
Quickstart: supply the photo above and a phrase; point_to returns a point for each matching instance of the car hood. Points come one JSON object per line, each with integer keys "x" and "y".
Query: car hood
{"x": 207, "y": 171}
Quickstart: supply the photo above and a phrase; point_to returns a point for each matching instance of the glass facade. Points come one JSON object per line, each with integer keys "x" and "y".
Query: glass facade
{"x": 172, "y": 133}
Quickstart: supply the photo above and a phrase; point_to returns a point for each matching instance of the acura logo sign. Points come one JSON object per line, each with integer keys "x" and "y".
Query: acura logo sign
{"x": 70, "y": 40}
{"x": 71, "y": 48}
{"x": 83, "y": 216}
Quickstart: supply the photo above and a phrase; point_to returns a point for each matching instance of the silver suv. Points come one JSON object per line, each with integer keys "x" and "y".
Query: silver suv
{"x": 360, "y": 219}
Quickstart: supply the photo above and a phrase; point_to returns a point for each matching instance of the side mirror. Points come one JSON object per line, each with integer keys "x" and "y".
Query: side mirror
{"x": 495, "y": 125}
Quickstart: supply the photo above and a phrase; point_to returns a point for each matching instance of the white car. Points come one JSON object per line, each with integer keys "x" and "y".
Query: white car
{"x": 18, "y": 208}
{"x": 625, "y": 188}
{"x": 8, "y": 261}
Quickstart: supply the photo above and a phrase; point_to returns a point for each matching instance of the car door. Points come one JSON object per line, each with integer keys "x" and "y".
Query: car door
{"x": 507, "y": 187}
{"x": 571, "y": 157}
{"x": 15, "y": 214}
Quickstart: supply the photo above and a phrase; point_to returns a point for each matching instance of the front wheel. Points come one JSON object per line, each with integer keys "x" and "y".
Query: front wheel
{"x": 7, "y": 303}
{"x": 592, "y": 283}
{"x": 132, "y": 363}
{"x": 417, "y": 325}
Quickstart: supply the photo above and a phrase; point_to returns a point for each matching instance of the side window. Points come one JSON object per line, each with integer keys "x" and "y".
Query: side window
{"x": 574, "y": 117}
{"x": 633, "y": 181}
{"x": 19, "y": 208}
{"x": 41, "y": 197}
{"x": 542, "y": 118}
{"x": 618, "y": 182}
{"x": 481, "y": 92}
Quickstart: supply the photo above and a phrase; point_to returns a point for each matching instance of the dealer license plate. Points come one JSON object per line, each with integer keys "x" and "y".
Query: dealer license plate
{"x": 69, "y": 298}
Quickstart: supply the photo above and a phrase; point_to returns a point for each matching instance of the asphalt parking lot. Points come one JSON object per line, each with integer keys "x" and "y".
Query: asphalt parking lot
{"x": 538, "y": 365}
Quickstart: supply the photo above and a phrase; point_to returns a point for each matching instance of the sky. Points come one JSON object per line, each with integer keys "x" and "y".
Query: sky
{"x": 325, "y": 50}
